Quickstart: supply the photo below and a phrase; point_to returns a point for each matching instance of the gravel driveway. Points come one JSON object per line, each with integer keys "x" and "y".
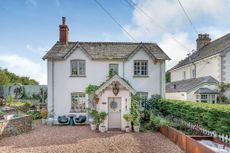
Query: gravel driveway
{"x": 81, "y": 139}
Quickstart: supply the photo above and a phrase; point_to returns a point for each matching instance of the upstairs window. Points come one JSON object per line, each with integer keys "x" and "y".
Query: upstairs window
{"x": 184, "y": 75}
{"x": 113, "y": 68}
{"x": 78, "y": 102}
{"x": 143, "y": 98}
{"x": 77, "y": 67}
{"x": 193, "y": 73}
{"x": 140, "y": 68}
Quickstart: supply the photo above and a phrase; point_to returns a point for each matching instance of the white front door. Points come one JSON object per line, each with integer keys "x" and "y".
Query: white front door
{"x": 114, "y": 113}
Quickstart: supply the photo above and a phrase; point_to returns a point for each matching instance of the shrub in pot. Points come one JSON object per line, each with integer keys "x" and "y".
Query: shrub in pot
{"x": 136, "y": 125}
{"x": 128, "y": 118}
{"x": 44, "y": 114}
{"x": 98, "y": 118}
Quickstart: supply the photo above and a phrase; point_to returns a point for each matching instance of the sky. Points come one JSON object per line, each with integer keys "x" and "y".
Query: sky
{"x": 29, "y": 28}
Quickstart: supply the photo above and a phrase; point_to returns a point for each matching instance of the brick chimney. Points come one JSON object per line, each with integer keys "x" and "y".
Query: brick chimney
{"x": 202, "y": 40}
{"x": 63, "y": 36}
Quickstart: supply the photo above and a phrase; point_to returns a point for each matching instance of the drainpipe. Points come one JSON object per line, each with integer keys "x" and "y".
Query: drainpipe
{"x": 161, "y": 79}
{"x": 123, "y": 65}
{"x": 52, "y": 107}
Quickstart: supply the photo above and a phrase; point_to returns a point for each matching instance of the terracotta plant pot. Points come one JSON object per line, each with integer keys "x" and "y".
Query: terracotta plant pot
{"x": 97, "y": 100}
{"x": 136, "y": 128}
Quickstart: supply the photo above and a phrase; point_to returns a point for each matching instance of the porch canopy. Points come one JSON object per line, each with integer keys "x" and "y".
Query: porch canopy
{"x": 116, "y": 80}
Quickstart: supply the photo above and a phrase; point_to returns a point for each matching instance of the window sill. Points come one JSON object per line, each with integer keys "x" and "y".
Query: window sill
{"x": 75, "y": 76}
{"x": 140, "y": 76}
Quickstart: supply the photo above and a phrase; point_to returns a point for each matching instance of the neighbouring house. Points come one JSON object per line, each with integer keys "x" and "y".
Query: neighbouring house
{"x": 201, "y": 89}
{"x": 72, "y": 66}
{"x": 212, "y": 58}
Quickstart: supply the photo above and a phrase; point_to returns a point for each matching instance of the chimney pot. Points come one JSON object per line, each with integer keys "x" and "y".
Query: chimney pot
{"x": 202, "y": 40}
{"x": 63, "y": 20}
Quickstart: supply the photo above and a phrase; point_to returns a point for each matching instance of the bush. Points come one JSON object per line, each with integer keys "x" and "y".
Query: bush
{"x": 214, "y": 117}
{"x": 35, "y": 114}
{"x": 91, "y": 89}
{"x": 156, "y": 122}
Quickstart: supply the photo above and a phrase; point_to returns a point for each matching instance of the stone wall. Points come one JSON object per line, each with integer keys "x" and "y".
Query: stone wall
{"x": 15, "y": 126}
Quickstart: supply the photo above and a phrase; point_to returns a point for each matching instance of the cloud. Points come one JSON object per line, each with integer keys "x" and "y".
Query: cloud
{"x": 24, "y": 67}
{"x": 39, "y": 50}
{"x": 164, "y": 22}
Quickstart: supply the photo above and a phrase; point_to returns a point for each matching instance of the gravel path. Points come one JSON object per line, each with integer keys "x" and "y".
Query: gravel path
{"x": 44, "y": 139}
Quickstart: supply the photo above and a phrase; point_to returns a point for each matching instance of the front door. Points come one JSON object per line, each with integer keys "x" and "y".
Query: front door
{"x": 114, "y": 113}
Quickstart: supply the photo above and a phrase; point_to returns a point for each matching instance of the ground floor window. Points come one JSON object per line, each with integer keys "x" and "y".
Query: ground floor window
{"x": 206, "y": 98}
{"x": 78, "y": 102}
{"x": 143, "y": 98}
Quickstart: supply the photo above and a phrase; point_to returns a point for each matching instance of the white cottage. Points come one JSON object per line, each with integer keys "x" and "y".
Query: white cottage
{"x": 72, "y": 66}
{"x": 212, "y": 58}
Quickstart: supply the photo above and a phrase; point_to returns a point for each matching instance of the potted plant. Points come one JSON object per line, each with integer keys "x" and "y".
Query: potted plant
{"x": 102, "y": 117}
{"x": 44, "y": 114}
{"x": 136, "y": 125}
{"x": 50, "y": 118}
{"x": 128, "y": 117}
{"x": 98, "y": 118}
{"x": 93, "y": 114}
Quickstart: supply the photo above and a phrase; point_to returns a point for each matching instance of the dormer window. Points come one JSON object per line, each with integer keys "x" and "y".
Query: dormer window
{"x": 78, "y": 68}
{"x": 140, "y": 68}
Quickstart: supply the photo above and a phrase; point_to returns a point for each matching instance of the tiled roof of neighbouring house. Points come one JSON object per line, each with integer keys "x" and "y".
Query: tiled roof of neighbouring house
{"x": 206, "y": 91}
{"x": 186, "y": 85}
{"x": 215, "y": 47}
{"x": 104, "y": 50}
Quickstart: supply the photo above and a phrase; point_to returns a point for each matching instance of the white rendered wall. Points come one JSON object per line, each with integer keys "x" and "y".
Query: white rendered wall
{"x": 206, "y": 67}
{"x": 96, "y": 73}
{"x": 150, "y": 84}
{"x": 226, "y": 71}
{"x": 176, "y": 95}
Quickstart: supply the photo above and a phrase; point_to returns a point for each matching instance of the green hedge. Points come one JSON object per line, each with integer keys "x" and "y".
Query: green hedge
{"x": 214, "y": 117}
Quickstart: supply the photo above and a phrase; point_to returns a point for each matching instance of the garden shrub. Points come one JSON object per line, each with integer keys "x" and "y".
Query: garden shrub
{"x": 35, "y": 114}
{"x": 214, "y": 117}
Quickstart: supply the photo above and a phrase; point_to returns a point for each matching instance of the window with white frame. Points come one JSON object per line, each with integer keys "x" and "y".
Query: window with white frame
{"x": 143, "y": 98}
{"x": 78, "y": 68}
{"x": 197, "y": 98}
{"x": 213, "y": 98}
{"x": 113, "y": 68}
{"x": 193, "y": 73}
{"x": 184, "y": 74}
{"x": 140, "y": 68}
{"x": 204, "y": 98}
{"x": 78, "y": 102}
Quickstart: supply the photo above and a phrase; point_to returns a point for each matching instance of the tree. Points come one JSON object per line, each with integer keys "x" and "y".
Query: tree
{"x": 9, "y": 77}
{"x": 223, "y": 87}
{"x": 4, "y": 80}
{"x": 168, "y": 77}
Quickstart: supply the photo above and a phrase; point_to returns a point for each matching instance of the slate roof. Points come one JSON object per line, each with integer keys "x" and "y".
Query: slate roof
{"x": 188, "y": 84}
{"x": 206, "y": 91}
{"x": 215, "y": 47}
{"x": 104, "y": 50}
